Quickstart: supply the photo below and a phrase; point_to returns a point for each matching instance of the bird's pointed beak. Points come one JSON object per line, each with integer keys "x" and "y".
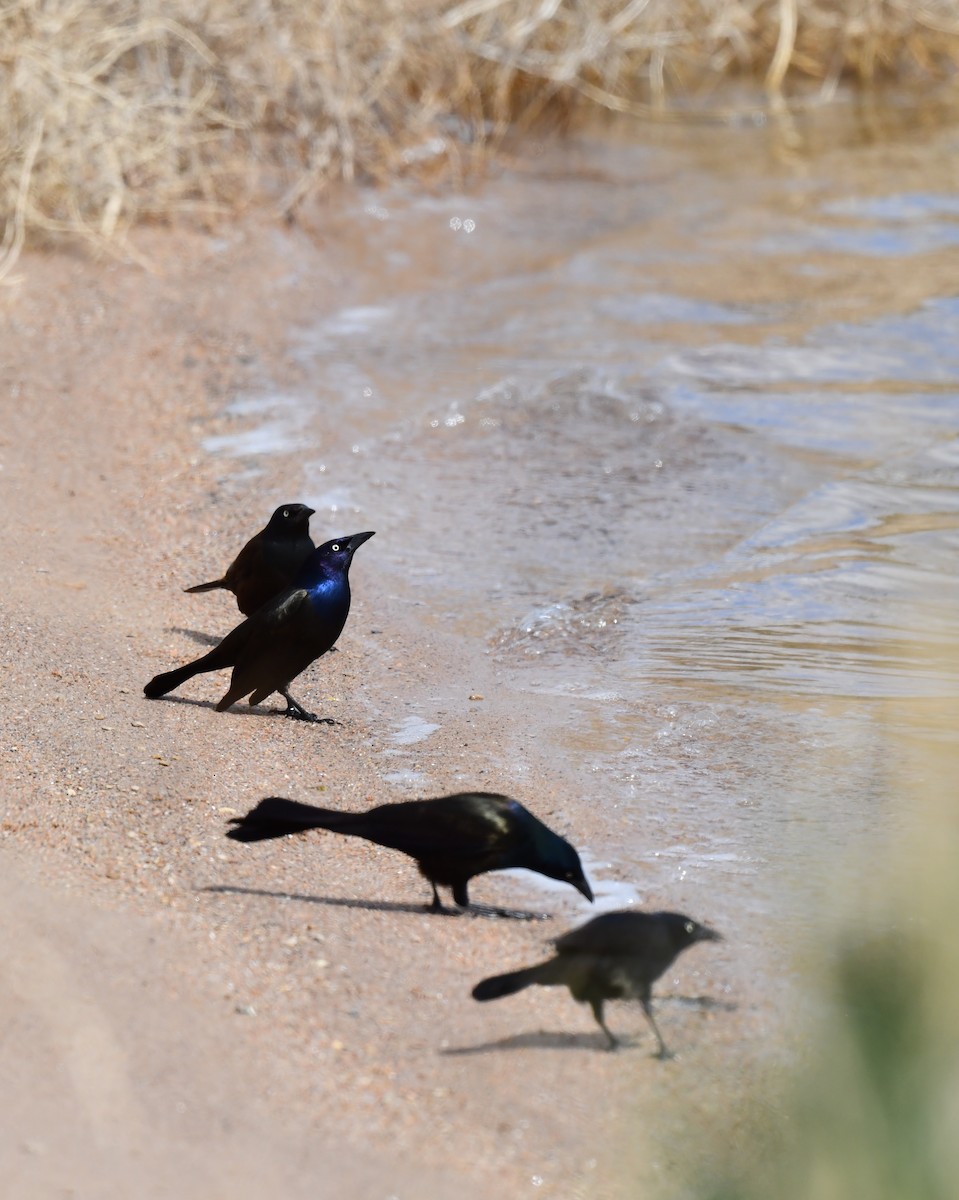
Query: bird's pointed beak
{"x": 708, "y": 935}
{"x": 355, "y": 540}
{"x": 309, "y": 512}
{"x": 582, "y": 886}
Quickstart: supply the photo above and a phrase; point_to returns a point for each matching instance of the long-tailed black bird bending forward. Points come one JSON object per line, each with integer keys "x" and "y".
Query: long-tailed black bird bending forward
{"x": 452, "y": 838}
{"x": 269, "y": 561}
{"x": 616, "y": 956}
{"x": 283, "y": 637}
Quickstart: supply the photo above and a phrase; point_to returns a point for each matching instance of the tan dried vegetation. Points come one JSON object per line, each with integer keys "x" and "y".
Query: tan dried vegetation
{"x": 124, "y": 110}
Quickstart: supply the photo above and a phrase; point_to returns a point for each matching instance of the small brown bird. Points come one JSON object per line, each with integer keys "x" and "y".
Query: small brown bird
{"x": 269, "y": 561}
{"x": 616, "y": 956}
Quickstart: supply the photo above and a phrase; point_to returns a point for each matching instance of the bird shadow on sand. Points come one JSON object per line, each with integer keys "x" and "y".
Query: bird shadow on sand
{"x": 698, "y": 1003}
{"x": 542, "y": 1039}
{"x": 237, "y": 710}
{"x": 195, "y": 635}
{"x": 240, "y": 709}
{"x": 476, "y": 911}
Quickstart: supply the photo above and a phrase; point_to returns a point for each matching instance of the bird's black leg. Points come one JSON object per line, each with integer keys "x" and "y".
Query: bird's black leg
{"x": 662, "y": 1052}
{"x": 461, "y": 894}
{"x": 437, "y": 905}
{"x": 597, "y": 1007}
{"x": 297, "y": 712}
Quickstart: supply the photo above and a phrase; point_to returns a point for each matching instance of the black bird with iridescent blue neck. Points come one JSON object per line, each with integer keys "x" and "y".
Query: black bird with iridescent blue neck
{"x": 282, "y": 637}
{"x": 452, "y": 838}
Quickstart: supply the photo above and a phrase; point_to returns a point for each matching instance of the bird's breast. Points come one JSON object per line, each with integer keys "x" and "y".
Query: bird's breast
{"x": 329, "y": 593}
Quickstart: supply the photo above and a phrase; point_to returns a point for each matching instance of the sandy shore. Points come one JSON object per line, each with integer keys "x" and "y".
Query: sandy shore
{"x": 183, "y": 1015}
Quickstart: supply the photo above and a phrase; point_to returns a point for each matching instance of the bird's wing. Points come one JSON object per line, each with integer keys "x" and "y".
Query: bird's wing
{"x": 618, "y": 933}
{"x": 244, "y": 561}
{"x": 259, "y": 627}
{"x": 284, "y": 609}
{"x": 422, "y": 830}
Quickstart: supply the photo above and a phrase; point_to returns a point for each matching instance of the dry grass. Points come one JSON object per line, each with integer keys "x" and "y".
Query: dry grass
{"x": 129, "y": 109}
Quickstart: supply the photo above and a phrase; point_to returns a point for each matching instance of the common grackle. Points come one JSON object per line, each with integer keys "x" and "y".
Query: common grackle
{"x": 282, "y": 637}
{"x": 452, "y": 838}
{"x": 268, "y": 563}
{"x": 615, "y": 956}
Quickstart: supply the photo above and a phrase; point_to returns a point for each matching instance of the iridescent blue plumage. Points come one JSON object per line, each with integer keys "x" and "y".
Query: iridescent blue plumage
{"x": 284, "y": 636}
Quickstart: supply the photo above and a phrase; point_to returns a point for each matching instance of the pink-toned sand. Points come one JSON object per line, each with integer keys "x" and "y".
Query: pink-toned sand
{"x": 161, "y": 1039}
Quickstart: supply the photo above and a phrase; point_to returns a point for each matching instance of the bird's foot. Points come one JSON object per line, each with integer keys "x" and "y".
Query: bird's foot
{"x": 664, "y": 1054}
{"x": 296, "y": 712}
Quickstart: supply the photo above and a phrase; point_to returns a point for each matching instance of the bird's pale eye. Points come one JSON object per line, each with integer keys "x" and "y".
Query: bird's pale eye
{"x": 335, "y": 546}
{"x": 690, "y": 926}
{"x": 286, "y": 513}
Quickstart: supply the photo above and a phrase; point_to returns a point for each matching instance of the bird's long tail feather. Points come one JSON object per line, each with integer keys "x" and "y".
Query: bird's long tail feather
{"x": 206, "y": 587}
{"x": 276, "y": 817}
{"x": 159, "y": 685}
{"x": 543, "y": 973}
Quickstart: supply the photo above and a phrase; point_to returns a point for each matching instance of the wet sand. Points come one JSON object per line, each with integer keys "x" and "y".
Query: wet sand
{"x": 183, "y": 1013}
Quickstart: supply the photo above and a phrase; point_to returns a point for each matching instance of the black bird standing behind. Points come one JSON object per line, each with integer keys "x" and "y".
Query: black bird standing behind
{"x": 282, "y": 637}
{"x": 452, "y": 838}
{"x": 616, "y": 956}
{"x": 268, "y": 563}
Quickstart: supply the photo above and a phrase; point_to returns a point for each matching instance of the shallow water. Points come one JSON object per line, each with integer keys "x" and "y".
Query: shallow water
{"x": 665, "y": 427}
